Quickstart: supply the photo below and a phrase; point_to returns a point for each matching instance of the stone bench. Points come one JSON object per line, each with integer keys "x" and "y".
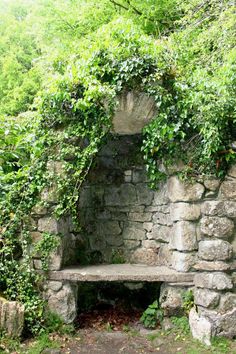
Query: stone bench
{"x": 121, "y": 272}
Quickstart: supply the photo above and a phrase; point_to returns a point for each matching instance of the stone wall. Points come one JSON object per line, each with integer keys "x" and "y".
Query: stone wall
{"x": 185, "y": 226}
{"x": 121, "y": 218}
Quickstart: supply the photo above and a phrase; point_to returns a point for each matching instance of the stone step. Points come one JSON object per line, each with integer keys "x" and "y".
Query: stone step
{"x": 121, "y": 272}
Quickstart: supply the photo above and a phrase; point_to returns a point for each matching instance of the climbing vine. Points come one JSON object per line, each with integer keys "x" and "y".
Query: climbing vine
{"x": 193, "y": 85}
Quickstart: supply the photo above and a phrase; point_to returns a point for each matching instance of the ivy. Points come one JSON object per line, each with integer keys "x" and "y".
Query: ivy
{"x": 191, "y": 76}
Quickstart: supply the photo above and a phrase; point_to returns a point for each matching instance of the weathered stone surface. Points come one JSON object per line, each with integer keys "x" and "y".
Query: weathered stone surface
{"x": 232, "y": 171}
{"x": 213, "y": 208}
{"x": 164, "y": 255}
{"x": 114, "y": 240}
{"x": 50, "y": 194}
{"x": 108, "y": 228}
{"x": 139, "y": 176}
{"x": 206, "y": 298}
{"x": 151, "y": 244}
{"x": 171, "y": 299}
{"x": 121, "y": 272}
{"x": 162, "y": 219}
{"x": 183, "y": 262}
{"x": 212, "y": 184}
{"x": 219, "y": 208}
{"x": 120, "y": 196}
{"x": 226, "y": 324}
{"x": 148, "y": 226}
{"x": 144, "y": 194}
{"x": 218, "y": 281}
{"x": 161, "y": 195}
{"x": 159, "y": 233}
{"x": 48, "y": 224}
{"x": 63, "y": 302}
{"x": 201, "y": 328}
{"x": 53, "y": 285}
{"x": 56, "y": 167}
{"x": 134, "y": 231}
{"x": 134, "y": 111}
{"x": 184, "y": 211}
{"x": 230, "y": 208}
{"x": 215, "y": 250}
{"x": 216, "y": 226}
{"x": 183, "y": 236}
{"x": 39, "y": 209}
{"x": 228, "y": 189}
{"x": 145, "y": 256}
{"x": 179, "y": 191}
{"x": 227, "y": 302}
{"x": 11, "y": 317}
{"x": 131, "y": 244}
{"x": 212, "y": 266}
{"x": 143, "y": 217}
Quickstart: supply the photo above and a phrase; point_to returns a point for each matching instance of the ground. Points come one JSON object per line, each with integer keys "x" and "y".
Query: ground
{"x": 99, "y": 336}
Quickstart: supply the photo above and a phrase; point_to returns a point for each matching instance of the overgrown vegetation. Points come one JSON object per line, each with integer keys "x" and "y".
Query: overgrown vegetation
{"x": 65, "y": 63}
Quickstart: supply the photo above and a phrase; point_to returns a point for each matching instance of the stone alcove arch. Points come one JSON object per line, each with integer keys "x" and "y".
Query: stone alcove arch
{"x": 182, "y": 234}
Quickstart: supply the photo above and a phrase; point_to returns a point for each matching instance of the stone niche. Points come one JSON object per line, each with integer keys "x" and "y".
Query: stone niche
{"x": 122, "y": 219}
{"x": 189, "y": 228}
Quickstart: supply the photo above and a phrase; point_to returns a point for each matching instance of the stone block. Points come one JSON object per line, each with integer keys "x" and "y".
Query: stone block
{"x": 120, "y": 196}
{"x": 171, "y": 299}
{"x": 144, "y": 256}
{"x": 144, "y": 194}
{"x": 162, "y": 218}
{"x": 183, "y": 262}
{"x": 114, "y": 240}
{"x": 214, "y": 226}
{"x": 148, "y": 226}
{"x": 226, "y": 324}
{"x": 201, "y": 328}
{"x": 206, "y": 298}
{"x": 151, "y": 244}
{"x": 184, "y": 211}
{"x": 217, "y": 280}
{"x": 232, "y": 171}
{"x": 131, "y": 244}
{"x": 212, "y": 184}
{"x": 53, "y": 285}
{"x": 184, "y": 192}
{"x": 228, "y": 189}
{"x": 183, "y": 236}
{"x": 215, "y": 250}
{"x": 56, "y": 168}
{"x": 227, "y": 302}
{"x": 11, "y": 317}
{"x": 134, "y": 231}
{"x": 213, "y": 208}
{"x": 159, "y": 233}
{"x": 63, "y": 302}
{"x": 161, "y": 195}
{"x": 142, "y": 217}
{"x": 219, "y": 208}
{"x": 230, "y": 209}
{"x": 164, "y": 256}
{"x": 48, "y": 224}
{"x": 108, "y": 228}
{"x": 134, "y": 111}
{"x": 39, "y": 210}
{"x": 139, "y": 176}
{"x": 50, "y": 194}
{"x": 211, "y": 266}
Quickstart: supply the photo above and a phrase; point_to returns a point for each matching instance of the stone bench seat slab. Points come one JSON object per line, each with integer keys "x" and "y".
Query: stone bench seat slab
{"x": 120, "y": 272}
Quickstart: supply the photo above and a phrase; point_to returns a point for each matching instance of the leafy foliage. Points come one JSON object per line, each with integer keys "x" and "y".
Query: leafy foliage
{"x": 152, "y": 316}
{"x": 68, "y": 64}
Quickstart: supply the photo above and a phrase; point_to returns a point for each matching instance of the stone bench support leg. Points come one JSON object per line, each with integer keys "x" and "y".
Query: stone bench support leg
{"x": 62, "y": 299}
